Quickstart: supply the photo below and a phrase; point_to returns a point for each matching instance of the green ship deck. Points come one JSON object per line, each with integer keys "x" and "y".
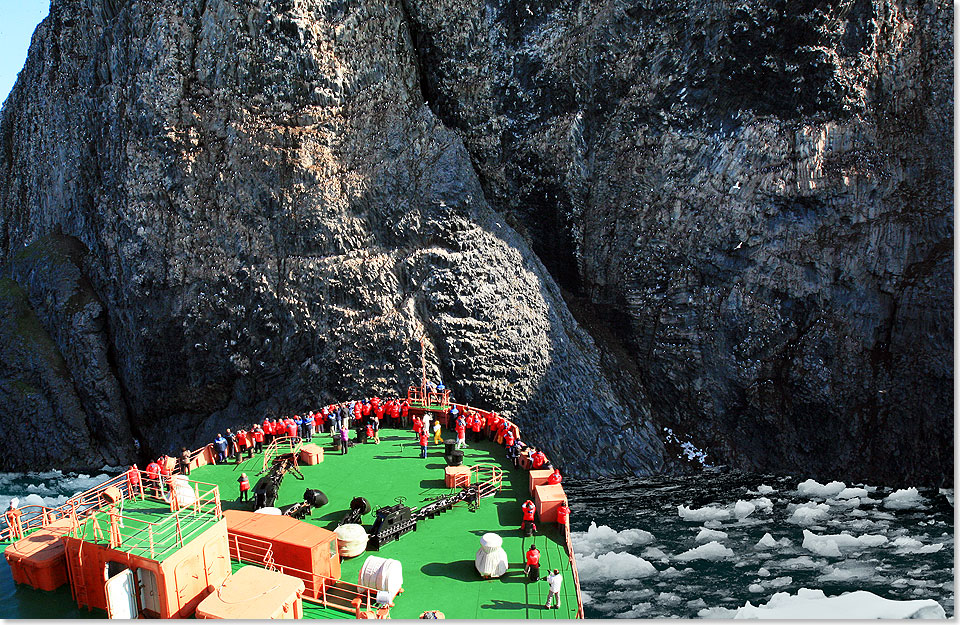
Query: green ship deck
{"x": 139, "y": 514}
{"x": 437, "y": 558}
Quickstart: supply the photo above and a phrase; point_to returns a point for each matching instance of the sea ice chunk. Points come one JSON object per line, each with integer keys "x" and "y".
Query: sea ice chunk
{"x": 710, "y": 551}
{"x": 904, "y": 499}
{"x": 812, "y": 488}
{"x": 814, "y": 604}
{"x": 706, "y": 535}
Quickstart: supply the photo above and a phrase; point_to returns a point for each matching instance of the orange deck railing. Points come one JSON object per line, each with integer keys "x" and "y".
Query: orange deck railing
{"x": 278, "y": 447}
{"x": 171, "y": 531}
{"x": 327, "y": 591}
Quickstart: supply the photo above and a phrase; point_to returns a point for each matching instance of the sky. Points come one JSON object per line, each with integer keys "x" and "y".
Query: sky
{"x": 20, "y": 18}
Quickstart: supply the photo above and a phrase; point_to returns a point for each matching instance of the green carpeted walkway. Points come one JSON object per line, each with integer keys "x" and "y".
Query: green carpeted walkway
{"x": 437, "y": 558}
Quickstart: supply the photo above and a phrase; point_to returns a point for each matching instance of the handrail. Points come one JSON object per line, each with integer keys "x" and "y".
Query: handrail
{"x": 321, "y": 588}
{"x": 281, "y": 445}
{"x": 573, "y": 568}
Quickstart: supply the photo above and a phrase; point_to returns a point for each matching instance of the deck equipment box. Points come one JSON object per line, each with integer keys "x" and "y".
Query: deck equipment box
{"x": 548, "y": 498}
{"x": 296, "y": 544}
{"x": 255, "y": 593}
{"x": 311, "y": 454}
{"x": 39, "y": 560}
{"x": 538, "y": 477}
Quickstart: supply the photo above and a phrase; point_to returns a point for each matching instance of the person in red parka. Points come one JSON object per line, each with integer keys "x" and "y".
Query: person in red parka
{"x": 244, "y": 487}
{"x": 508, "y": 438}
{"x": 563, "y": 513}
{"x": 404, "y": 413}
{"x": 477, "y": 427}
{"x": 153, "y": 475}
{"x": 257, "y": 438}
{"x": 532, "y": 564}
{"x": 461, "y": 429}
{"x": 133, "y": 481}
{"x": 555, "y": 477}
{"x": 528, "y": 511}
{"x": 417, "y": 427}
{"x": 423, "y": 444}
{"x": 538, "y": 459}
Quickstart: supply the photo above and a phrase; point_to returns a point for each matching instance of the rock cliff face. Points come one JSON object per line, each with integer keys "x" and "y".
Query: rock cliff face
{"x": 211, "y": 209}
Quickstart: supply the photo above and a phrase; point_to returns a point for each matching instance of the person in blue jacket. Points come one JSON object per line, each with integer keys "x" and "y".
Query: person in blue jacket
{"x": 220, "y": 446}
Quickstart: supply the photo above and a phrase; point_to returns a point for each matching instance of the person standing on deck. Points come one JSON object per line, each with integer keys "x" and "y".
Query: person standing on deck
{"x": 528, "y": 510}
{"x": 233, "y": 449}
{"x": 508, "y": 438}
{"x": 375, "y": 424}
{"x": 184, "y": 461}
{"x": 133, "y": 481}
{"x": 257, "y": 438}
{"x": 153, "y": 476}
{"x": 13, "y": 519}
{"x": 243, "y": 443}
{"x": 437, "y": 435}
{"x": 513, "y": 453}
{"x": 244, "y": 487}
{"x": 405, "y": 414}
{"x": 423, "y": 444}
{"x": 563, "y": 514}
{"x": 452, "y": 416}
{"x": 476, "y": 427}
{"x": 427, "y": 416}
{"x": 417, "y": 427}
{"x": 532, "y": 568}
{"x": 344, "y": 439}
{"x": 461, "y": 434}
{"x": 554, "y": 580}
{"x": 220, "y": 446}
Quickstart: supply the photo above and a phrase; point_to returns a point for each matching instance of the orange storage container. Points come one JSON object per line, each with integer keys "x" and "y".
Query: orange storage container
{"x": 548, "y": 498}
{"x": 39, "y": 559}
{"x": 255, "y": 593}
{"x": 537, "y": 477}
{"x": 172, "y": 587}
{"x": 295, "y": 543}
{"x": 456, "y": 477}
{"x": 311, "y": 454}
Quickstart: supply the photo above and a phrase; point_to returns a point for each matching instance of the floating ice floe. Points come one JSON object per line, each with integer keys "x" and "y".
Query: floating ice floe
{"x": 743, "y": 509}
{"x": 636, "y": 611}
{"x": 709, "y": 513}
{"x": 809, "y": 513}
{"x": 814, "y": 604}
{"x": 613, "y": 565}
{"x": 707, "y": 535}
{"x": 763, "y": 572}
{"x": 904, "y": 499}
{"x": 850, "y": 493}
{"x": 603, "y": 538}
{"x": 849, "y": 570}
{"x": 813, "y": 488}
{"x": 710, "y": 551}
{"x": 763, "y": 489}
{"x": 628, "y": 595}
{"x": 905, "y": 544}
{"x": 830, "y": 545}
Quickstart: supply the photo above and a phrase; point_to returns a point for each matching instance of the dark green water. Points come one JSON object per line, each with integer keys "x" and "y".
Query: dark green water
{"x": 618, "y": 584}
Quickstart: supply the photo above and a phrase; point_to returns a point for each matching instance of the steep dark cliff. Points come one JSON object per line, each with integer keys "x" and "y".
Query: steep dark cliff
{"x": 214, "y": 208}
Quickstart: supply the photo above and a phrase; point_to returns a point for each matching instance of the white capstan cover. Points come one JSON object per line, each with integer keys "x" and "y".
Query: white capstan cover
{"x": 271, "y": 510}
{"x": 491, "y": 559}
{"x": 382, "y": 574}
{"x": 351, "y": 540}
